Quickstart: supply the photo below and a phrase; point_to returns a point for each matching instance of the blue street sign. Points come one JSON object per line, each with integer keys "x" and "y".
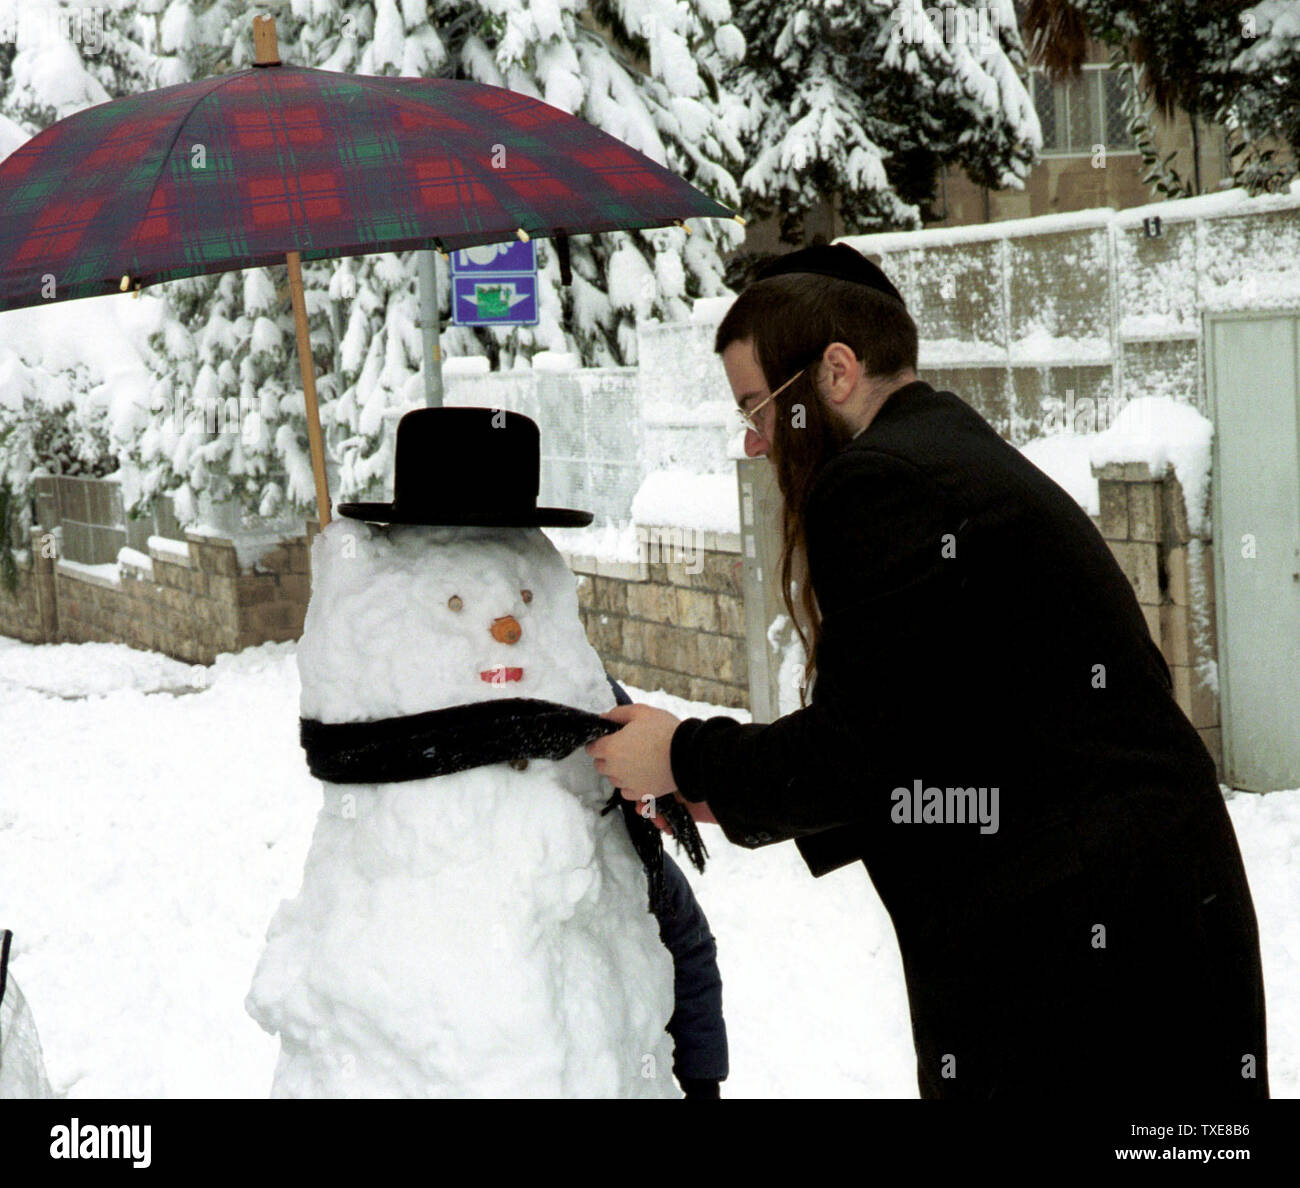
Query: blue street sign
{"x": 494, "y": 300}
{"x": 494, "y": 284}
{"x": 491, "y": 258}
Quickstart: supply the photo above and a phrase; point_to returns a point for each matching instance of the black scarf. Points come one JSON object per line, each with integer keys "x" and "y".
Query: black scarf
{"x": 507, "y": 730}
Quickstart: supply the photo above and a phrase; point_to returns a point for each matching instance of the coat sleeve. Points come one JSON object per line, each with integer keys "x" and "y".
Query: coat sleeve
{"x": 877, "y": 527}
{"x": 697, "y": 1026}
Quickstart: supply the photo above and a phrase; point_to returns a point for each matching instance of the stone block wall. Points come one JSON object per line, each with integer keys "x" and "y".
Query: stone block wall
{"x": 192, "y": 600}
{"x": 1143, "y": 518}
{"x": 673, "y": 619}
{"x": 30, "y": 612}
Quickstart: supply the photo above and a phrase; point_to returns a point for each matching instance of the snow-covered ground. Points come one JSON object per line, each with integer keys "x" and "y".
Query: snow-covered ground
{"x": 146, "y": 838}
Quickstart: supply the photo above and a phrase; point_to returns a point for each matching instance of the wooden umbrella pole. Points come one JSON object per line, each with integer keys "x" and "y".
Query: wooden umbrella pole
{"x": 267, "y": 53}
{"x": 314, "y": 436}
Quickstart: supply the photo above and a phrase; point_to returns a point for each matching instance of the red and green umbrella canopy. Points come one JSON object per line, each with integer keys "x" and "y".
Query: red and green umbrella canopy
{"x": 235, "y": 171}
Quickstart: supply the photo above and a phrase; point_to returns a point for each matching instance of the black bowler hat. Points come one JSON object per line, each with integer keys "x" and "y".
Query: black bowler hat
{"x": 465, "y": 466}
{"x": 833, "y": 259}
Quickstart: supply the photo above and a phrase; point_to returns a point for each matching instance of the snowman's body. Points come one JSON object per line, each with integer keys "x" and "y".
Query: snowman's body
{"x": 483, "y": 933}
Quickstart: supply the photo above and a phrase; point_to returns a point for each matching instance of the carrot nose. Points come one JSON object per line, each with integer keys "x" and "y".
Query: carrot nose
{"x": 506, "y": 629}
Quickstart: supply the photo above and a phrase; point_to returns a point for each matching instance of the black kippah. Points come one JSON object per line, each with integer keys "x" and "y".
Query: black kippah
{"x": 833, "y": 259}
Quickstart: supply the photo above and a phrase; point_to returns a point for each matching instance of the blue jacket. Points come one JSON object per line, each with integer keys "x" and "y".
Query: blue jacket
{"x": 698, "y": 1029}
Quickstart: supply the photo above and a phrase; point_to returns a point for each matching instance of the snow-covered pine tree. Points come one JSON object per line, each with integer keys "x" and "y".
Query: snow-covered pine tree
{"x": 865, "y": 101}
{"x": 1263, "y": 115}
{"x": 364, "y": 311}
{"x": 57, "y": 58}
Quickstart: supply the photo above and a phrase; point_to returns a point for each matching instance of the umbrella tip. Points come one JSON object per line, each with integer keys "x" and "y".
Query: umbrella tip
{"x": 125, "y": 284}
{"x": 738, "y": 219}
{"x": 266, "y": 46}
{"x": 681, "y": 223}
{"x": 523, "y": 235}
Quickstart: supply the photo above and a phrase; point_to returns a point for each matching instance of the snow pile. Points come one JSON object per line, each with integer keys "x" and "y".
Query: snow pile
{"x": 555, "y": 361}
{"x": 883, "y": 242}
{"x": 466, "y": 365}
{"x": 935, "y": 352}
{"x": 703, "y": 412}
{"x": 106, "y": 571}
{"x": 683, "y": 499}
{"x": 1157, "y": 430}
{"x": 174, "y": 824}
{"x": 482, "y": 933}
{"x": 607, "y": 542}
{"x": 1163, "y": 432}
{"x": 94, "y": 669}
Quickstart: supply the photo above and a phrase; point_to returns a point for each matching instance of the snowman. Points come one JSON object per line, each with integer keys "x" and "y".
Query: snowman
{"x": 469, "y": 923}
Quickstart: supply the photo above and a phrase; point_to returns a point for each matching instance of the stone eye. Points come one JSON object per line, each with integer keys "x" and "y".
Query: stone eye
{"x": 527, "y": 595}
{"x": 454, "y": 602}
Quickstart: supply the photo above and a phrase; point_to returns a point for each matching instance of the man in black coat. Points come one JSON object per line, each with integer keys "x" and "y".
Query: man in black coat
{"x": 993, "y": 732}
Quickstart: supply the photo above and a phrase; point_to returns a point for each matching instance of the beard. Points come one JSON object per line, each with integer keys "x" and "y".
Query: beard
{"x": 841, "y": 428}
{"x": 808, "y": 449}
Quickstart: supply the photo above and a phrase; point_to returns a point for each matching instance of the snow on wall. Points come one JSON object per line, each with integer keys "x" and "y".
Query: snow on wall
{"x": 1162, "y": 432}
{"x": 1023, "y": 315}
{"x": 607, "y": 432}
{"x": 1157, "y": 281}
{"x": 701, "y": 502}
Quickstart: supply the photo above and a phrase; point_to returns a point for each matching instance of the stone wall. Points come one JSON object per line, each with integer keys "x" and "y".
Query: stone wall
{"x": 672, "y": 620}
{"x": 30, "y": 612}
{"x": 191, "y": 600}
{"x": 1143, "y": 518}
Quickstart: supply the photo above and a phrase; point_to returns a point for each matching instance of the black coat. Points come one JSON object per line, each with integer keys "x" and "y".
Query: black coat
{"x": 978, "y": 634}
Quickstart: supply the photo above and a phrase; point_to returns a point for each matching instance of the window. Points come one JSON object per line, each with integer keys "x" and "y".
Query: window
{"x": 1080, "y": 114}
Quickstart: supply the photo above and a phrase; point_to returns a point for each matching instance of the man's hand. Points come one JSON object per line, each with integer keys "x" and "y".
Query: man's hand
{"x": 636, "y": 759}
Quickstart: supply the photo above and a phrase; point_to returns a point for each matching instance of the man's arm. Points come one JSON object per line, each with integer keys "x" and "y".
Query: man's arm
{"x": 877, "y": 528}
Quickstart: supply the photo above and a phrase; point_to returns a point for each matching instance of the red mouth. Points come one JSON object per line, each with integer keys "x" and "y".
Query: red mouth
{"x": 500, "y": 674}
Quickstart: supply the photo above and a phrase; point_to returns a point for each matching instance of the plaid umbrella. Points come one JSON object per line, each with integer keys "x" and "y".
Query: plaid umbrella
{"x": 287, "y": 163}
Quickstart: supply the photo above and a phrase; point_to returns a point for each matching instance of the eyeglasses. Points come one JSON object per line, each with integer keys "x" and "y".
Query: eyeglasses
{"x": 749, "y": 416}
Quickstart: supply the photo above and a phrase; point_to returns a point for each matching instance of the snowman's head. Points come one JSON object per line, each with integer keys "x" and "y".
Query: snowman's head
{"x": 408, "y": 618}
